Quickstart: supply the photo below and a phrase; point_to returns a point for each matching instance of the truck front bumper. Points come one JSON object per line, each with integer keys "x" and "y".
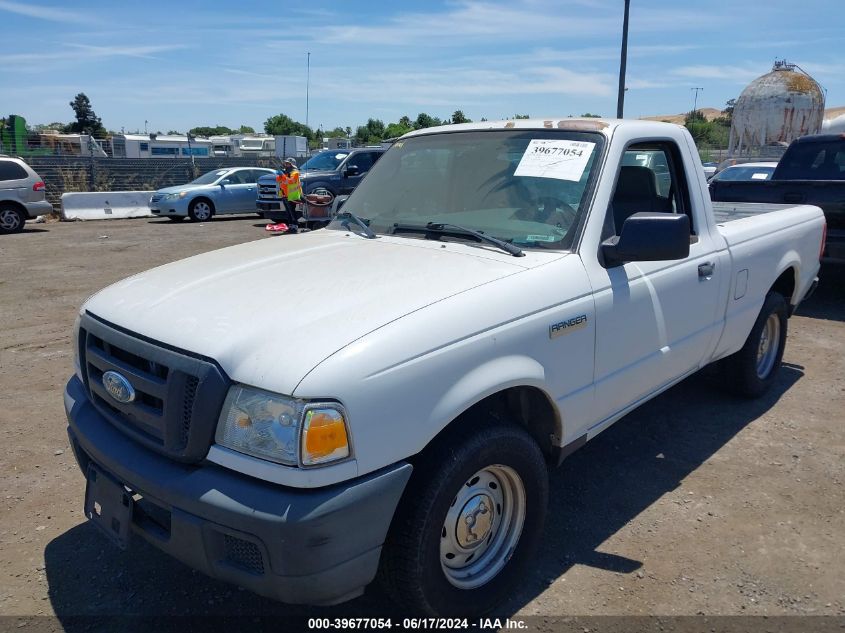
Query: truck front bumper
{"x": 312, "y": 546}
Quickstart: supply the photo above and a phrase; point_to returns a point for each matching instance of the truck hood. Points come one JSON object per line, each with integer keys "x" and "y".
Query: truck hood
{"x": 270, "y": 311}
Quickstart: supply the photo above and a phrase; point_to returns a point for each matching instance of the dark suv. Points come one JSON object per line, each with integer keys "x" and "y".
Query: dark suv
{"x": 324, "y": 176}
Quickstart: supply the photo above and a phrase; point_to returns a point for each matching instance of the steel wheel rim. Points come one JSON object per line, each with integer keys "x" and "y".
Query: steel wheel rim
{"x": 9, "y": 219}
{"x": 202, "y": 210}
{"x": 482, "y": 526}
{"x": 767, "y": 349}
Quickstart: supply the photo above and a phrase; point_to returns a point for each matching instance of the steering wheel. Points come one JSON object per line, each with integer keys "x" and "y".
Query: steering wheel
{"x": 548, "y": 210}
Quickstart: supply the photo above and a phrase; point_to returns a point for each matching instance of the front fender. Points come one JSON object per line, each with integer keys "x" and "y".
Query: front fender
{"x": 483, "y": 381}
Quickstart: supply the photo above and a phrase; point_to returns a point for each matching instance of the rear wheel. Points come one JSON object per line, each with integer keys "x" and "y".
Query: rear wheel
{"x": 200, "y": 210}
{"x": 751, "y": 371}
{"x": 469, "y": 522}
{"x": 12, "y": 219}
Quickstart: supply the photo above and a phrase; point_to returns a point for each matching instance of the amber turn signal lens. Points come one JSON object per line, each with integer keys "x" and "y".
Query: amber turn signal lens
{"x": 324, "y": 436}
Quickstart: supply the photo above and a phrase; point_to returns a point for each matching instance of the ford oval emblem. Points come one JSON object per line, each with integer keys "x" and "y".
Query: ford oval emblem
{"x": 118, "y": 387}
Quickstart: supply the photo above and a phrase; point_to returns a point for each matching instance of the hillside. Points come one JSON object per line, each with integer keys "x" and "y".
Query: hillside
{"x": 713, "y": 113}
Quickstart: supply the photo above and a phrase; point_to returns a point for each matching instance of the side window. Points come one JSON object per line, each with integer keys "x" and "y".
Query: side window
{"x": 364, "y": 161}
{"x": 144, "y": 147}
{"x": 11, "y": 171}
{"x": 235, "y": 177}
{"x": 651, "y": 179}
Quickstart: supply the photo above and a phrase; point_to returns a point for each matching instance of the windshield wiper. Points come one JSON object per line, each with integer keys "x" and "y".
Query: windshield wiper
{"x": 437, "y": 229}
{"x": 345, "y": 217}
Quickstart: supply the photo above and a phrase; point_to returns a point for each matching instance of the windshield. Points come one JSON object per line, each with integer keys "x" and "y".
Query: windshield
{"x": 745, "y": 172}
{"x": 526, "y": 187}
{"x": 325, "y": 161}
{"x": 210, "y": 177}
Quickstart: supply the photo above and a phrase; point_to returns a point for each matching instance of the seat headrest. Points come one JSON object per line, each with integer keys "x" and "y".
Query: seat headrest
{"x": 635, "y": 182}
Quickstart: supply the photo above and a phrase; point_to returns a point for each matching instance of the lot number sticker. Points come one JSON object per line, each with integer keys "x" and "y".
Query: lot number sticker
{"x": 561, "y": 159}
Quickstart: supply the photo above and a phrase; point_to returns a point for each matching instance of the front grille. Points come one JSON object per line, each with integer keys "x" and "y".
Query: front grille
{"x": 243, "y": 554}
{"x": 177, "y": 396}
{"x": 268, "y": 191}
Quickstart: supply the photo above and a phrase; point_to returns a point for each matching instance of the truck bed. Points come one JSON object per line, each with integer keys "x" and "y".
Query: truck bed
{"x": 725, "y": 212}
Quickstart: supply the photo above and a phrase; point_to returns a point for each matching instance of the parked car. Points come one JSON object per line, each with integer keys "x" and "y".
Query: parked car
{"x": 489, "y": 299}
{"x": 22, "y": 195}
{"x": 811, "y": 171}
{"x": 221, "y": 191}
{"x": 709, "y": 169}
{"x": 324, "y": 176}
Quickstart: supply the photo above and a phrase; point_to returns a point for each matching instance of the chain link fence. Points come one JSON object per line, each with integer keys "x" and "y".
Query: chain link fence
{"x": 63, "y": 174}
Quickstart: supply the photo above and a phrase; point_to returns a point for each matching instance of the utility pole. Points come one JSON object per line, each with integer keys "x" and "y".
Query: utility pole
{"x": 695, "y": 99}
{"x": 620, "y": 100}
{"x": 307, "y": 85}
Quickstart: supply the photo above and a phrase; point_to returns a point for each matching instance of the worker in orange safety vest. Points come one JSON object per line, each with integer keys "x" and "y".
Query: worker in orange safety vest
{"x": 290, "y": 191}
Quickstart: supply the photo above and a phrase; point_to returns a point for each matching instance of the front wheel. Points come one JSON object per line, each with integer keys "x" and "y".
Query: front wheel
{"x": 751, "y": 371}
{"x": 200, "y": 210}
{"x": 469, "y": 522}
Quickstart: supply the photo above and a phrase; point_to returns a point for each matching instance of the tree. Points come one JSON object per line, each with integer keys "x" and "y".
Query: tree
{"x": 394, "y": 130}
{"x": 43, "y": 127}
{"x": 426, "y": 120}
{"x": 521, "y": 116}
{"x": 206, "y": 130}
{"x": 458, "y": 117}
{"x": 246, "y": 129}
{"x": 87, "y": 122}
{"x": 588, "y": 115}
{"x": 372, "y": 132}
{"x": 338, "y": 132}
{"x": 406, "y": 122}
{"x": 283, "y": 125}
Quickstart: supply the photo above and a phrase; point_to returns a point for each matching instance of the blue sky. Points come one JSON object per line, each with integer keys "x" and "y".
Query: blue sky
{"x": 183, "y": 63}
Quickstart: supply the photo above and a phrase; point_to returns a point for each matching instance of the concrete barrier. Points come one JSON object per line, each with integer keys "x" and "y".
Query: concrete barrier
{"x": 106, "y": 205}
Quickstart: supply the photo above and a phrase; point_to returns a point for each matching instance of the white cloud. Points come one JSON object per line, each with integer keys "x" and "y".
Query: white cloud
{"x": 736, "y": 74}
{"x": 43, "y": 12}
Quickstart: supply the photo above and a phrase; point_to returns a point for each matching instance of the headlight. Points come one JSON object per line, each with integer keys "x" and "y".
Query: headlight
{"x": 282, "y": 429}
{"x": 174, "y": 196}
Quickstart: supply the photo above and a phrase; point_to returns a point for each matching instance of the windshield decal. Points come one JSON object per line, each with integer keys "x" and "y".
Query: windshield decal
{"x": 555, "y": 158}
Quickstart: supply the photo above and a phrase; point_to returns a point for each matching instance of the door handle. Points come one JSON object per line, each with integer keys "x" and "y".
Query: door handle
{"x": 705, "y": 270}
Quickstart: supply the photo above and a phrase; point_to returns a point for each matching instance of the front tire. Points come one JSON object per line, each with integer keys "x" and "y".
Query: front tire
{"x": 12, "y": 219}
{"x": 469, "y": 522}
{"x": 200, "y": 210}
{"x": 752, "y": 370}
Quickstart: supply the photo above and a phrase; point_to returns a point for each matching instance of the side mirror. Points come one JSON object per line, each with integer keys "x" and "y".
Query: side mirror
{"x": 648, "y": 237}
{"x": 225, "y": 182}
{"x": 351, "y": 170}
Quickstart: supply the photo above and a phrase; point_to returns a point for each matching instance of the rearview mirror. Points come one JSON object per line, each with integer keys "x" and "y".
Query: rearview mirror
{"x": 647, "y": 237}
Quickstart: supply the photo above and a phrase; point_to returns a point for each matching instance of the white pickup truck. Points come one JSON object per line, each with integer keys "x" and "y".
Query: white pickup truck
{"x": 383, "y": 397}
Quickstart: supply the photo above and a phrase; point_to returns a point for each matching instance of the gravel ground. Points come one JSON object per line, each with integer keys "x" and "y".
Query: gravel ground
{"x": 696, "y": 503}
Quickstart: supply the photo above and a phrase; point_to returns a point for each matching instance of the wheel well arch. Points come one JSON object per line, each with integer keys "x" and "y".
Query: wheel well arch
{"x": 14, "y": 204}
{"x": 786, "y": 283}
{"x": 527, "y": 406}
{"x": 206, "y": 199}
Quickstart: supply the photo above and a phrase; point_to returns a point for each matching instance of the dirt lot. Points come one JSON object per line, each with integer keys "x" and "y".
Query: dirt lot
{"x": 696, "y": 503}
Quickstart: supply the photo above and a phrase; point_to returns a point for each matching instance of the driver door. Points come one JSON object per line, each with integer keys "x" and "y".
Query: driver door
{"x": 655, "y": 320}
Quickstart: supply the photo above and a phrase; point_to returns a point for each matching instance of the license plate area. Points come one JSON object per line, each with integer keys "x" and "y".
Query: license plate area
{"x": 108, "y": 505}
